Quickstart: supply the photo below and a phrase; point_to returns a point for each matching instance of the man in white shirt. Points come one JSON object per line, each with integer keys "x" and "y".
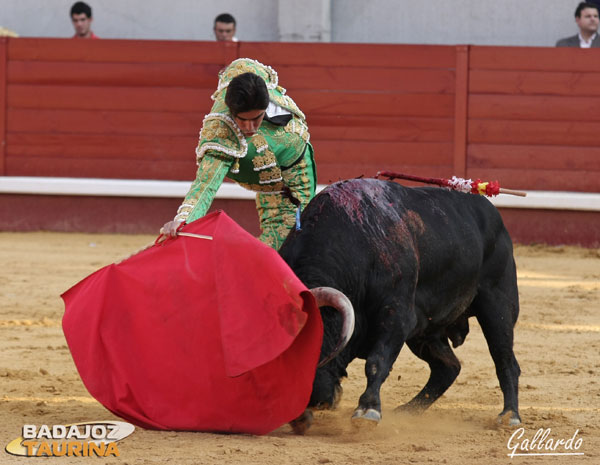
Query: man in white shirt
{"x": 586, "y": 17}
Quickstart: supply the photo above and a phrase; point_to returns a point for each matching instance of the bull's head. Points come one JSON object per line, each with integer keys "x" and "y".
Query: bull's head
{"x": 328, "y": 297}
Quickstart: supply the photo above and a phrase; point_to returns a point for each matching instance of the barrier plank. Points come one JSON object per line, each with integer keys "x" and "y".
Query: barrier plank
{"x": 384, "y": 79}
{"x": 148, "y": 148}
{"x": 186, "y": 100}
{"x": 105, "y": 122}
{"x": 574, "y": 133}
{"x": 380, "y": 128}
{"x": 535, "y": 58}
{"x": 102, "y": 146}
{"x": 535, "y": 157}
{"x": 329, "y": 55}
{"x": 555, "y": 227}
{"x": 125, "y": 215}
{"x": 533, "y": 179}
{"x": 3, "y": 66}
{"x": 376, "y": 104}
{"x": 65, "y": 73}
{"x": 534, "y": 107}
{"x": 329, "y": 173}
{"x": 123, "y": 51}
{"x": 533, "y": 82}
{"x": 100, "y": 168}
{"x": 188, "y": 124}
{"x": 107, "y": 98}
{"x": 461, "y": 106}
{"x": 382, "y": 153}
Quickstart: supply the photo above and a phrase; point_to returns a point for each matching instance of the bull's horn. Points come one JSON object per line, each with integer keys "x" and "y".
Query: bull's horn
{"x": 330, "y": 297}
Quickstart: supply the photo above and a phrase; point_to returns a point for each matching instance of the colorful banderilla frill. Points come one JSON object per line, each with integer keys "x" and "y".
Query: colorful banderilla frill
{"x": 488, "y": 188}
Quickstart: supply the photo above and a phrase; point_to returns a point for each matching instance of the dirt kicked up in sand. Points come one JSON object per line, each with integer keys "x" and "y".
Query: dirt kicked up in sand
{"x": 557, "y": 343}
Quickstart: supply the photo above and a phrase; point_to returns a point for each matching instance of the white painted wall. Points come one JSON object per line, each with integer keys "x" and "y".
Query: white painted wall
{"x": 305, "y": 20}
{"x": 480, "y": 22}
{"x": 143, "y": 19}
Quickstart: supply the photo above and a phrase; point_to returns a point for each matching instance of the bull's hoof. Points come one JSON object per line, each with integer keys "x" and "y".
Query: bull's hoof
{"x": 372, "y": 415}
{"x": 301, "y": 424}
{"x": 509, "y": 417}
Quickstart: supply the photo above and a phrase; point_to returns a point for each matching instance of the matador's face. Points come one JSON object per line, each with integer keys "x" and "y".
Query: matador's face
{"x": 249, "y": 121}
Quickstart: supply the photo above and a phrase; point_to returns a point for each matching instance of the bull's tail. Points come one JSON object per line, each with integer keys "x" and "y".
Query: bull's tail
{"x": 444, "y": 365}
{"x": 457, "y": 331}
{"x": 441, "y": 350}
{"x": 436, "y": 348}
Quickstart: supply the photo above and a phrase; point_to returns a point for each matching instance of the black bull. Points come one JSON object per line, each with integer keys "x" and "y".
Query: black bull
{"x": 415, "y": 263}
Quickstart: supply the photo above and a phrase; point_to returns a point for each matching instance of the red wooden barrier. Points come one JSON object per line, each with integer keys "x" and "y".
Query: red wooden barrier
{"x": 370, "y": 107}
{"x": 3, "y": 53}
{"x": 528, "y": 117}
{"x": 461, "y": 111}
{"x": 132, "y": 109}
{"x": 534, "y": 116}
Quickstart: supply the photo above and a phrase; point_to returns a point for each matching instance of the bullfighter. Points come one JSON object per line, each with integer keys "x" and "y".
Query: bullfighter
{"x": 257, "y": 136}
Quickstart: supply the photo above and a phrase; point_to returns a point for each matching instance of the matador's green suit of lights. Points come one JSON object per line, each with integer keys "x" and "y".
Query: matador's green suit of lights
{"x": 279, "y": 155}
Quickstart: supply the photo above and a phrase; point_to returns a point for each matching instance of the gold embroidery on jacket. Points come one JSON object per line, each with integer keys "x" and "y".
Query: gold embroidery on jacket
{"x": 264, "y": 162}
{"x": 259, "y": 142}
{"x": 296, "y": 126}
{"x": 275, "y": 187}
{"x": 270, "y": 176}
{"x": 220, "y": 133}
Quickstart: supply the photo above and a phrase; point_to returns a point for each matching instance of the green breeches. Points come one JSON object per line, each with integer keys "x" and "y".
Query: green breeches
{"x": 277, "y": 214}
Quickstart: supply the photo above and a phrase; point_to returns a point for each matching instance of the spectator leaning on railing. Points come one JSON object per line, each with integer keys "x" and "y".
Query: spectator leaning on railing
{"x": 586, "y": 17}
{"x": 81, "y": 17}
{"x": 224, "y": 28}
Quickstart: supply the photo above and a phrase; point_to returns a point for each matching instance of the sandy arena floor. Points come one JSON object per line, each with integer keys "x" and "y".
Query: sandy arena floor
{"x": 557, "y": 345}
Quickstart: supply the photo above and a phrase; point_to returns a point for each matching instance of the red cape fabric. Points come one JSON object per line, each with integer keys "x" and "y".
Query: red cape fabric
{"x": 197, "y": 334}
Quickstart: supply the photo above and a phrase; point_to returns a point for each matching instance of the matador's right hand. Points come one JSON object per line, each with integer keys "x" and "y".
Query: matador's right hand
{"x": 170, "y": 229}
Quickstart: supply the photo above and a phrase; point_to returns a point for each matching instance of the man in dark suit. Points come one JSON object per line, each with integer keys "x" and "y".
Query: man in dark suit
{"x": 586, "y": 17}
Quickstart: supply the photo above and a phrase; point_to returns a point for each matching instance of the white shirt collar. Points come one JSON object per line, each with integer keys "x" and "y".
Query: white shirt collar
{"x": 275, "y": 110}
{"x": 583, "y": 43}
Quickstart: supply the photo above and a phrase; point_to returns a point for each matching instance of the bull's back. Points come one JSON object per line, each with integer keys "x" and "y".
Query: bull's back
{"x": 357, "y": 222}
{"x": 425, "y": 213}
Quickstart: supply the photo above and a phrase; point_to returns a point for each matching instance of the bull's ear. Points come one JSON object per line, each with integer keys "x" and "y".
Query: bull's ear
{"x": 330, "y": 297}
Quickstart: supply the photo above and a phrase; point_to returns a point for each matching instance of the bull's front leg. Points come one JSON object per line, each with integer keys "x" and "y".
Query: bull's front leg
{"x": 301, "y": 424}
{"x": 377, "y": 368}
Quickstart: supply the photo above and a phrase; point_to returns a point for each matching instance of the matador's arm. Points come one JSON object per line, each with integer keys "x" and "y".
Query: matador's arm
{"x": 209, "y": 177}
